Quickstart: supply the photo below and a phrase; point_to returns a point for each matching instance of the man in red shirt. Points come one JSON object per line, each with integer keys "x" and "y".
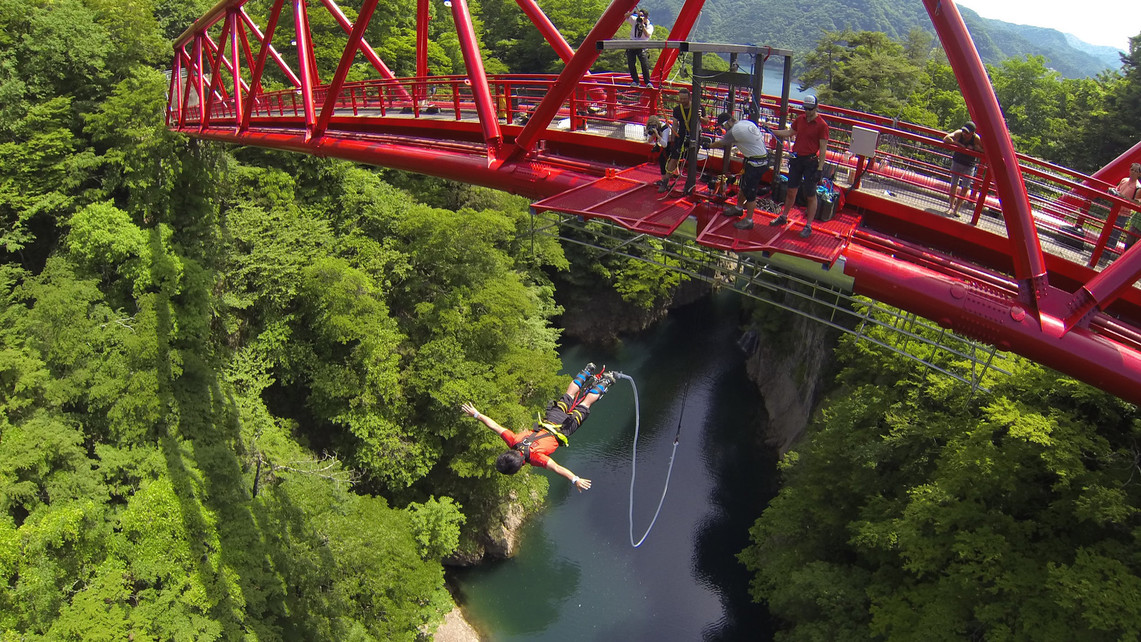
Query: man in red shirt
{"x": 810, "y": 148}
{"x": 562, "y": 418}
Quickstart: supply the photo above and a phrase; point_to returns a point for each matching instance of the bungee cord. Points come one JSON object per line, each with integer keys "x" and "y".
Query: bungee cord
{"x": 634, "y": 460}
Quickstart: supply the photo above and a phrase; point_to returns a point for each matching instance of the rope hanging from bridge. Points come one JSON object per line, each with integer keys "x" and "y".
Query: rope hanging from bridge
{"x": 634, "y": 460}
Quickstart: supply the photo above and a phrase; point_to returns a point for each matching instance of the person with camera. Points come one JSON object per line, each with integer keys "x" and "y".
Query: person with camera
{"x": 810, "y": 132}
{"x": 640, "y": 29}
{"x": 660, "y": 134}
{"x": 748, "y": 138}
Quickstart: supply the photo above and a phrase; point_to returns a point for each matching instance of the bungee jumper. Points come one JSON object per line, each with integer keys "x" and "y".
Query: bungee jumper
{"x": 562, "y": 418}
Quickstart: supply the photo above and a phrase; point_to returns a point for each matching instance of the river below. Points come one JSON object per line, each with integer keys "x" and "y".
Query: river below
{"x": 576, "y": 575}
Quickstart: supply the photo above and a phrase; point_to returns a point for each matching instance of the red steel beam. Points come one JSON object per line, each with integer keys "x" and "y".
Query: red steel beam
{"x": 423, "y": 16}
{"x": 572, "y": 73}
{"x": 1005, "y": 323}
{"x": 529, "y": 178}
{"x": 226, "y": 66}
{"x": 481, "y": 92}
{"x": 686, "y": 18}
{"x": 206, "y": 21}
{"x": 1029, "y": 264}
{"x": 1119, "y": 167}
{"x": 305, "y": 60}
{"x": 267, "y": 39}
{"x": 259, "y": 66}
{"x": 197, "y": 78}
{"x": 347, "y": 56}
{"x": 547, "y": 28}
{"x": 1106, "y": 287}
{"x": 215, "y": 74}
{"x": 366, "y": 48}
{"x": 174, "y": 97}
{"x": 236, "y": 70}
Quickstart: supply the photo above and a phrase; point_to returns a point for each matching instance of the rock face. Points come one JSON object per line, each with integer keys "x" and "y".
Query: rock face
{"x": 503, "y": 540}
{"x": 599, "y": 316}
{"x": 791, "y": 371}
{"x": 498, "y": 541}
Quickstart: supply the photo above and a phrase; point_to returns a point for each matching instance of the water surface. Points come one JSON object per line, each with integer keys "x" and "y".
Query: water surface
{"x": 576, "y": 576}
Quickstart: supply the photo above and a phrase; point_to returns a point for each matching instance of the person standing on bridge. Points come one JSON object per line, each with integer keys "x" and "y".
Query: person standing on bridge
{"x": 640, "y": 29}
{"x": 661, "y": 135}
{"x": 747, "y": 137}
{"x": 962, "y": 164}
{"x": 562, "y": 418}
{"x": 810, "y": 149}
{"x": 1130, "y": 189}
{"x": 679, "y": 139}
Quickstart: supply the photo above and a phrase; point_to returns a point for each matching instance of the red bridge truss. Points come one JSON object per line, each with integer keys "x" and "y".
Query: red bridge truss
{"x": 1044, "y": 266}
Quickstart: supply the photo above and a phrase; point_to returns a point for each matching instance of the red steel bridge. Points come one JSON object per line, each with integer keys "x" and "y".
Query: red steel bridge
{"x": 1040, "y": 264}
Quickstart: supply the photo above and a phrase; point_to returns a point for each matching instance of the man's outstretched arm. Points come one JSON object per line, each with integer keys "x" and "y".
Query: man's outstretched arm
{"x": 579, "y": 483}
{"x": 487, "y": 421}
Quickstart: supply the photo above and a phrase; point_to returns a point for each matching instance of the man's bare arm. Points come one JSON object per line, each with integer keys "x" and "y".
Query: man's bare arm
{"x": 579, "y": 483}
{"x": 487, "y": 421}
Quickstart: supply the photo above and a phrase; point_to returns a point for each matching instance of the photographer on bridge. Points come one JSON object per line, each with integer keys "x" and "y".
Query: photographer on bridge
{"x": 640, "y": 29}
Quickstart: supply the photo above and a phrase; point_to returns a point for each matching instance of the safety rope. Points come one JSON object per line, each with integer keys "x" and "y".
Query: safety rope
{"x": 634, "y": 460}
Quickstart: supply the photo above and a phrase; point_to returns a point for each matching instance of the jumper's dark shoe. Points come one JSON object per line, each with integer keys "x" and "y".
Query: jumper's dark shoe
{"x": 732, "y": 210}
{"x": 780, "y": 220}
{"x": 602, "y": 383}
{"x": 663, "y": 186}
{"x": 806, "y": 232}
{"x": 744, "y": 224}
{"x": 581, "y": 377}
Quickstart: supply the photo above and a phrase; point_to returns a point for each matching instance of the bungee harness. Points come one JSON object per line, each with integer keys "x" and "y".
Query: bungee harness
{"x": 543, "y": 428}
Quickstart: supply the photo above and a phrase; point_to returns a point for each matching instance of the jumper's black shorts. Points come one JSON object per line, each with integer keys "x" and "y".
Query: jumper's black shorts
{"x": 803, "y": 171}
{"x": 751, "y": 180}
{"x": 570, "y": 421}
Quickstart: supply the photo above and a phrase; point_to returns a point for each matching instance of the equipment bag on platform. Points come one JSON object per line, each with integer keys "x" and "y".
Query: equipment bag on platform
{"x": 829, "y": 198}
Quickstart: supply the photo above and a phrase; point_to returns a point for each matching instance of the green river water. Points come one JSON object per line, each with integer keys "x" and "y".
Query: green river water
{"x": 576, "y": 576}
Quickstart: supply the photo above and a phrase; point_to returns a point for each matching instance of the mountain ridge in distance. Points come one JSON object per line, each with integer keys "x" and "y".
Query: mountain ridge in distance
{"x": 798, "y": 25}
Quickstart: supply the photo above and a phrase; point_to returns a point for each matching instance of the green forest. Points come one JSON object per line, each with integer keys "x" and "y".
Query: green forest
{"x": 229, "y": 377}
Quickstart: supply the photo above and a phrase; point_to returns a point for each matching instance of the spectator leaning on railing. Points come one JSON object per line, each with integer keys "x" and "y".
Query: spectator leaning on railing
{"x": 962, "y": 164}
{"x": 1130, "y": 189}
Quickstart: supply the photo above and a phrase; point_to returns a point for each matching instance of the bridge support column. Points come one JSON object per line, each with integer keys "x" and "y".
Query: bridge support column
{"x": 484, "y": 105}
{"x": 1029, "y": 264}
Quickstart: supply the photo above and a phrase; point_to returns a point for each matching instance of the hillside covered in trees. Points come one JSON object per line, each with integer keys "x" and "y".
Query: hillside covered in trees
{"x": 229, "y": 377}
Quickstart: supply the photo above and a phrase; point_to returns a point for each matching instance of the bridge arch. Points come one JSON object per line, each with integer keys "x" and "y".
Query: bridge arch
{"x": 1038, "y": 269}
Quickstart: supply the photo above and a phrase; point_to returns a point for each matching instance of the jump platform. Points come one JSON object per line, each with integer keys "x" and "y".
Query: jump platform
{"x": 630, "y": 199}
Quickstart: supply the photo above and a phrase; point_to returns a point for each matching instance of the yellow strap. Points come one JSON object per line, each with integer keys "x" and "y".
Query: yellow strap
{"x": 555, "y": 429}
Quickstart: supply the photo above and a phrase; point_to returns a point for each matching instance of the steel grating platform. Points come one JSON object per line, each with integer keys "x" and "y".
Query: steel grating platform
{"x": 630, "y": 198}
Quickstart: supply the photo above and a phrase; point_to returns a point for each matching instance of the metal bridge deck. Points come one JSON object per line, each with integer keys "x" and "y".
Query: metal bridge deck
{"x": 630, "y": 198}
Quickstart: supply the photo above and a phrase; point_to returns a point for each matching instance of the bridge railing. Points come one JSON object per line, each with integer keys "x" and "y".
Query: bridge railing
{"x": 1074, "y": 213}
{"x": 1076, "y": 216}
{"x": 602, "y": 101}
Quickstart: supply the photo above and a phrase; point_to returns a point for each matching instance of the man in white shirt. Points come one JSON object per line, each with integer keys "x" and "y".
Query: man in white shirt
{"x": 748, "y": 138}
{"x": 640, "y": 29}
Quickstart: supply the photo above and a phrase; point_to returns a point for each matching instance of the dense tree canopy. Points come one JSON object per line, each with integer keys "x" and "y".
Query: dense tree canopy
{"x": 918, "y": 509}
{"x": 1081, "y": 123}
{"x": 229, "y": 377}
{"x": 228, "y": 382}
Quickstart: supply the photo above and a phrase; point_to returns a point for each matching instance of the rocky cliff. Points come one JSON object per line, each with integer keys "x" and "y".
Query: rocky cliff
{"x": 792, "y": 368}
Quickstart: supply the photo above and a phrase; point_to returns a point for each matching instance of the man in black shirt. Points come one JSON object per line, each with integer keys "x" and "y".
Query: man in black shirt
{"x": 682, "y": 114}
